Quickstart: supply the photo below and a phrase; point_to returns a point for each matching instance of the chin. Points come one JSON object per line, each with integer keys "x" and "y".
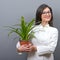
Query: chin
{"x": 47, "y": 19}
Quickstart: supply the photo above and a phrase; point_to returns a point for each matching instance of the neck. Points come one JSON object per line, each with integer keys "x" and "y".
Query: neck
{"x": 44, "y": 23}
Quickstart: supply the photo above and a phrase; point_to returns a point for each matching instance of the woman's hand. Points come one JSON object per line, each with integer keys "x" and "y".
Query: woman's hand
{"x": 27, "y": 48}
{"x": 23, "y": 48}
{"x": 32, "y": 48}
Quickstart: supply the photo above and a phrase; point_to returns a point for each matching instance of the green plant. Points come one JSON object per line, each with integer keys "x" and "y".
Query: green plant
{"x": 24, "y": 29}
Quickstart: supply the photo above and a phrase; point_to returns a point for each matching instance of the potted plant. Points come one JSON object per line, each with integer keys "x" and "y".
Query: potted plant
{"x": 24, "y": 30}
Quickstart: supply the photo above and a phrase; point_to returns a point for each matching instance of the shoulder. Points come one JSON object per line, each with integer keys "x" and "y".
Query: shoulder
{"x": 54, "y": 29}
{"x": 36, "y": 28}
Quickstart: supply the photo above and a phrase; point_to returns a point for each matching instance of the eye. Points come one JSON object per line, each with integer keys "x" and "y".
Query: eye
{"x": 46, "y": 12}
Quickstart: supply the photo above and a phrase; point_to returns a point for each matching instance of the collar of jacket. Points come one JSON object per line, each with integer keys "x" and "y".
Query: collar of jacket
{"x": 41, "y": 28}
{"x": 46, "y": 26}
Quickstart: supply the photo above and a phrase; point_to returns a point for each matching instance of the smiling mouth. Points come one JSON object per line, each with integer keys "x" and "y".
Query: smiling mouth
{"x": 47, "y": 17}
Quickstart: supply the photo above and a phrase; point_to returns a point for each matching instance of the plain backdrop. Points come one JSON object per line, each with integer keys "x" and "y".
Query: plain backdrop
{"x": 10, "y": 13}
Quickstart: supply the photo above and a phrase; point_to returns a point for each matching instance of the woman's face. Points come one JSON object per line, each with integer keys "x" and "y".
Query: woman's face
{"x": 46, "y": 15}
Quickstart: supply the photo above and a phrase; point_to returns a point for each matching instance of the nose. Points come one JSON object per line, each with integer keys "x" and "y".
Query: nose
{"x": 47, "y": 13}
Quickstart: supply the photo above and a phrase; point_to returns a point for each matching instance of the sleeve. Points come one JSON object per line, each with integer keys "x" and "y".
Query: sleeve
{"x": 50, "y": 48}
{"x": 17, "y": 46}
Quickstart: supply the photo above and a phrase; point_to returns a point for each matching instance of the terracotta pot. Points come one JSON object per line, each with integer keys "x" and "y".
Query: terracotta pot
{"x": 25, "y": 42}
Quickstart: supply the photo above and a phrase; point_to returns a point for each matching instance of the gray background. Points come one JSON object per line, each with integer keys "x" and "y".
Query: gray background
{"x": 10, "y": 13}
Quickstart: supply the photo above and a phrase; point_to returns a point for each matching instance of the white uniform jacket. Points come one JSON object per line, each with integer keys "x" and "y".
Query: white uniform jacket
{"x": 45, "y": 40}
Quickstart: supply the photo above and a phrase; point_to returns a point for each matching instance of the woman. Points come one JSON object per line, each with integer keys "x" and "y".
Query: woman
{"x": 46, "y": 36}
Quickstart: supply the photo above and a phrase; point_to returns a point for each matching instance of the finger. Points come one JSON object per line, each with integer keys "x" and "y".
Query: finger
{"x": 28, "y": 49}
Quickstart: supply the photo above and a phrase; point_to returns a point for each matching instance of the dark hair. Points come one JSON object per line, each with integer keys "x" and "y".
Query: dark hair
{"x": 39, "y": 13}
